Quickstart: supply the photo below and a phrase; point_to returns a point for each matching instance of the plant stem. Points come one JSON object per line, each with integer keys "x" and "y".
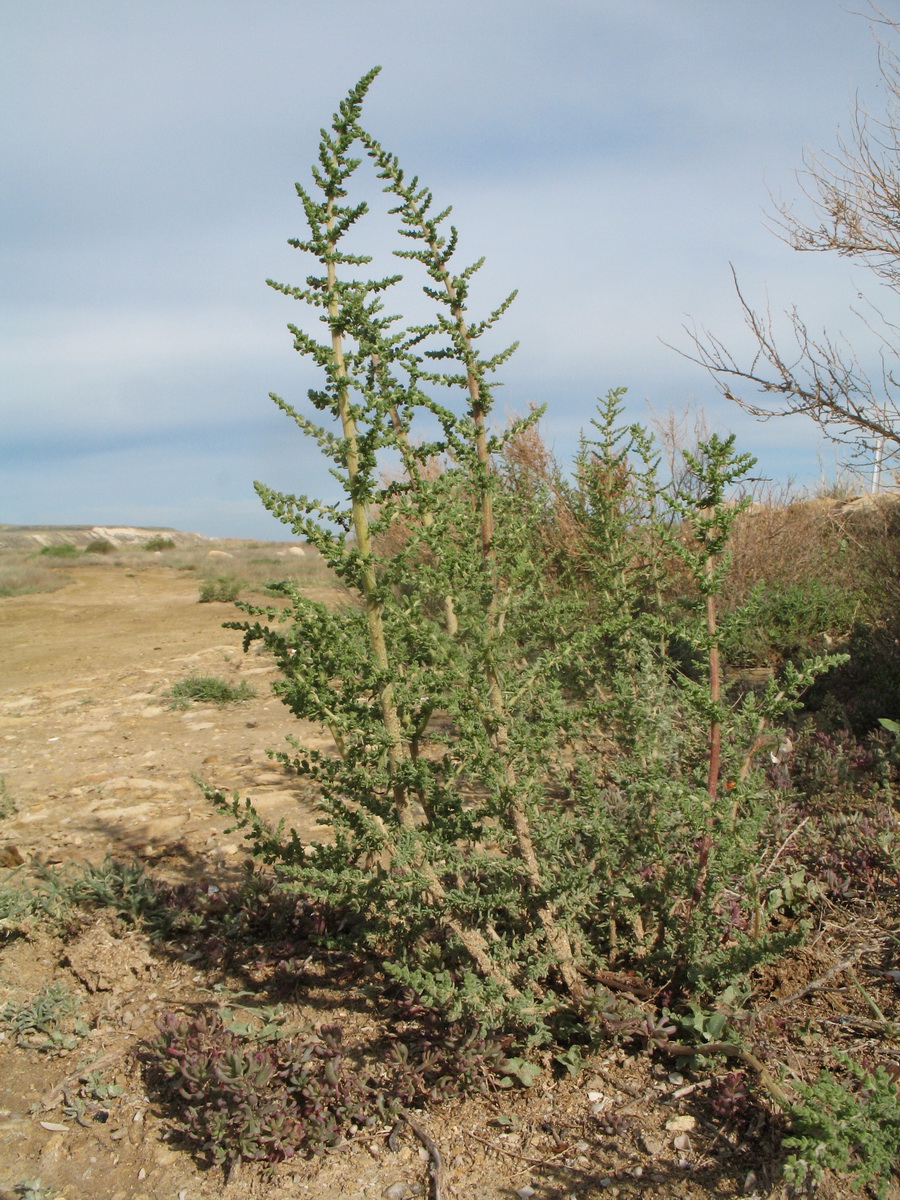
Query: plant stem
{"x": 556, "y": 936}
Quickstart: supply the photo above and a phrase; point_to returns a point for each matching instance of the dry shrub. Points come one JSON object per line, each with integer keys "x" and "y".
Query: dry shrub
{"x": 788, "y": 543}
{"x": 532, "y": 476}
{"x": 851, "y": 545}
{"x": 23, "y": 579}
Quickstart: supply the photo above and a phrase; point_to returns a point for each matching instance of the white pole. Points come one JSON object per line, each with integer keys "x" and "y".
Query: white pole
{"x": 876, "y": 473}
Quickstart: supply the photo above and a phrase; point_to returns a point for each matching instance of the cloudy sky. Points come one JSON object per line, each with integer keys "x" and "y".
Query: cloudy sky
{"x": 609, "y": 157}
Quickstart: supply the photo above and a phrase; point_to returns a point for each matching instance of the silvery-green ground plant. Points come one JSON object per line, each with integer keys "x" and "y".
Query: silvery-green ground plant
{"x": 525, "y": 788}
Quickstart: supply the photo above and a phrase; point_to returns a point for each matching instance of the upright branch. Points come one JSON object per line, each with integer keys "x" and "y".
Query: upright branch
{"x": 359, "y": 386}
{"x": 710, "y": 517}
{"x": 435, "y": 251}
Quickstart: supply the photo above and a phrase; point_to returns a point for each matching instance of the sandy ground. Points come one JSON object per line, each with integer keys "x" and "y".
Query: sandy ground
{"x": 91, "y": 752}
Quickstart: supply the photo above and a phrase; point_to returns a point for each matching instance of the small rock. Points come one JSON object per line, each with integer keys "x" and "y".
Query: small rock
{"x": 681, "y": 1124}
{"x": 397, "y": 1191}
{"x": 651, "y": 1145}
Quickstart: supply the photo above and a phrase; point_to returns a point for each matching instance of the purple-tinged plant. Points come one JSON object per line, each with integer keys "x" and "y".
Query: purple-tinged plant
{"x": 730, "y": 1095}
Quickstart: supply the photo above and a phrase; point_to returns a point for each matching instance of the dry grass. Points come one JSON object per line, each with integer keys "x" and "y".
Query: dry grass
{"x": 22, "y": 578}
{"x": 26, "y": 570}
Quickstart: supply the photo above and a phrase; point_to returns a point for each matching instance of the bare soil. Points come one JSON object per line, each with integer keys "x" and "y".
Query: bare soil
{"x": 97, "y": 763}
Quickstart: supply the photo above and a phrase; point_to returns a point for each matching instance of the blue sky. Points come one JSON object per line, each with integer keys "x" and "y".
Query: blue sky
{"x": 609, "y": 157}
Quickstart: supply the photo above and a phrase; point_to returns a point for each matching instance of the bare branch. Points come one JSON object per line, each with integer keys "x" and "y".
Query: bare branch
{"x": 855, "y": 195}
{"x": 821, "y": 379}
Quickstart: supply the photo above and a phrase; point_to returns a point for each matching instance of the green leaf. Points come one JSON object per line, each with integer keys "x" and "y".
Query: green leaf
{"x": 527, "y": 1073}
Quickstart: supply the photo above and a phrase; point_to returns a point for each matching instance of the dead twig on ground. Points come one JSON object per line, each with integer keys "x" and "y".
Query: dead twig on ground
{"x": 549, "y": 1161}
{"x": 434, "y": 1155}
{"x": 771, "y": 1085}
{"x": 814, "y": 985}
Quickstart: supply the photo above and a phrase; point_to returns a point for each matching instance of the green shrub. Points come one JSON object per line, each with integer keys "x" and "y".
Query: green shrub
{"x": 524, "y": 788}
{"x": 208, "y": 689}
{"x": 158, "y": 542}
{"x": 867, "y": 686}
{"x": 223, "y": 589}
{"x": 62, "y": 551}
{"x": 782, "y": 622}
{"x": 99, "y": 546}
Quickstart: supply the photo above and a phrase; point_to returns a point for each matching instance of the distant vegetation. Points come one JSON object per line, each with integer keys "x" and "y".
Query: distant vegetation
{"x": 27, "y": 569}
{"x": 208, "y": 689}
{"x": 158, "y": 542}
{"x": 223, "y": 589}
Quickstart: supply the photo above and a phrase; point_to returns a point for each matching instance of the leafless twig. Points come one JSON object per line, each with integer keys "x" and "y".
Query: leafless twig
{"x": 434, "y": 1155}
{"x": 814, "y": 985}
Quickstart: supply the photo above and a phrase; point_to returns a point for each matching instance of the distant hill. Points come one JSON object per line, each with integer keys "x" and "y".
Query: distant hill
{"x": 19, "y": 537}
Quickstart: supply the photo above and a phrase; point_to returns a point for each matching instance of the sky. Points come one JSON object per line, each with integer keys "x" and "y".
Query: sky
{"x": 610, "y": 158}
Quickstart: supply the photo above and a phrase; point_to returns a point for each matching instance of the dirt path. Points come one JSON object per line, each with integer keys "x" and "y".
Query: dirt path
{"x": 92, "y": 755}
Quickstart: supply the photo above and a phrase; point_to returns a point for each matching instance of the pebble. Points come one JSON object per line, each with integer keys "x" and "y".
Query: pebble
{"x": 397, "y": 1191}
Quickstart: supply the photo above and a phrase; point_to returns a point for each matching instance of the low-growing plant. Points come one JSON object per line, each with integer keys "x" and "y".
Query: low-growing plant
{"x": 239, "y": 1099}
{"x": 7, "y": 804}
{"x": 33, "y": 1189}
{"x": 99, "y": 546}
{"x": 92, "y": 1099}
{"x": 223, "y": 589}
{"x": 64, "y": 550}
{"x": 850, "y": 1126}
{"x": 123, "y": 887}
{"x": 43, "y": 1022}
{"x": 241, "y": 1091}
{"x": 208, "y": 689}
{"x": 159, "y": 542}
{"x": 17, "y": 904}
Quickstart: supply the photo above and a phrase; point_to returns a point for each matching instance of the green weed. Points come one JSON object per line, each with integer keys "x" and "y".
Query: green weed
{"x": 61, "y": 551}
{"x": 223, "y": 589}
{"x": 208, "y": 689}
{"x": 42, "y": 1023}
{"x": 158, "y": 542}
{"x": 850, "y": 1127}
